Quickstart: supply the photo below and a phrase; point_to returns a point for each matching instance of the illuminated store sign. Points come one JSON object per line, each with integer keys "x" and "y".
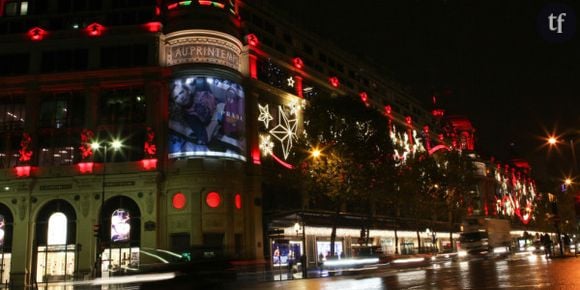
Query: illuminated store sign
{"x": 202, "y": 46}
{"x": 206, "y": 118}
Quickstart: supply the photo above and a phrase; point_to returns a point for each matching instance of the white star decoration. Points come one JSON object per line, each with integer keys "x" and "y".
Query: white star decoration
{"x": 265, "y": 116}
{"x": 266, "y": 145}
{"x": 285, "y": 131}
{"x": 294, "y": 107}
{"x": 290, "y": 81}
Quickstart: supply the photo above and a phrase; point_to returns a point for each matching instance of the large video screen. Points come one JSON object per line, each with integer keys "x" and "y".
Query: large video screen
{"x": 206, "y": 118}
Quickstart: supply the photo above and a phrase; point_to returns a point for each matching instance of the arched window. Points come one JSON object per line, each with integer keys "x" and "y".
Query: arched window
{"x": 55, "y": 242}
{"x": 57, "y": 225}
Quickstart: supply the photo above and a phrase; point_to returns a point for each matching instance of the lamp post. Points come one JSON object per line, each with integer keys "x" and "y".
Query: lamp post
{"x": 96, "y": 146}
{"x": 568, "y": 138}
{"x": 303, "y": 260}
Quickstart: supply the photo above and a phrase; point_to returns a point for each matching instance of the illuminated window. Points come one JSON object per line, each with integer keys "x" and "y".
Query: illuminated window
{"x": 54, "y": 154}
{"x": 57, "y": 226}
{"x": 179, "y": 200}
{"x": 213, "y": 199}
{"x": 120, "y": 226}
{"x": 12, "y": 114}
{"x": 16, "y": 8}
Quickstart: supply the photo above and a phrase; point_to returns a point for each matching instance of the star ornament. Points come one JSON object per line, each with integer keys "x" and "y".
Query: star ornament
{"x": 265, "y": 116}
{"x": 266, "y": 145}
{"x": 294, "y": 106}
{"x": 290, "y": 81}
{"x": 285, "y": 131}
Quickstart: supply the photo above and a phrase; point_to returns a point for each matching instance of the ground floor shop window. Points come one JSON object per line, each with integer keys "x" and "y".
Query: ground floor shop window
{"x": 5, "y": 244}
{"x": 407, "y": 248}
{"x": 5, "y": 260}
{"x": 323, "y": 250}
{"x": 119, "y": 261}
{"x": 285, "y": 252}
{"x": 55, "y": 263}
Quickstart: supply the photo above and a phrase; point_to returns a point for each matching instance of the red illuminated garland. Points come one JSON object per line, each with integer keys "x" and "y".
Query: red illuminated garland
{"x": 149, "y": 146}
{"x": 86, "y": 138}
{"x": 25, "y": 153}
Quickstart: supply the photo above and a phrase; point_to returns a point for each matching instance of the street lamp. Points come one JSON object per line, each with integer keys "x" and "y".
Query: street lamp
{"x": 554, "y": 141}
{"x": 303, "y": 259}
{"x": 96, "y": 146}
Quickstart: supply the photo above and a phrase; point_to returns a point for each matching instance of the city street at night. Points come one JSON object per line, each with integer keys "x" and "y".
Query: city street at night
{"x": 517, "y": 271}
{"x": 277, "y": 144}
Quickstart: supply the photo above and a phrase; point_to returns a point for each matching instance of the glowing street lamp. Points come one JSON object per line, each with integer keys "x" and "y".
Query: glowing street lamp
{"x": 315, "y": 153}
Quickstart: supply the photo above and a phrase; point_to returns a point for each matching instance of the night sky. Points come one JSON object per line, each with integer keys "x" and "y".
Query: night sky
{"x": 486, "y": 60}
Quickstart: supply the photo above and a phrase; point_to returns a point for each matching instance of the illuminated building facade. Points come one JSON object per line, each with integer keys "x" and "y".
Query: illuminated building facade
{"x": 164, "y": 78}
{"x": 204, "y": 96}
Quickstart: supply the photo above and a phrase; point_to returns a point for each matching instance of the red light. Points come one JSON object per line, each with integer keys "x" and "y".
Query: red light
{"x": 408, "y": 120}
{"x": 213, "y": 199}
{"x": 298, "y": 63}
{"x": 388, "y": 110}
{"x": 36, "y": 33}
{"x": 23, "y": 171}
{"x": 179, "y": 200}
{"x": 86, "y": 167}
{"x": 172, "y": 6}
{"x": 438, "y": 113}
{"x": 149, "y": 163}
{"x": 298, "y": 86}
{"x": 238, "y": 201}
{"x": 256, "y": 156}
{"x": 364, "y": 97}
{"x": 252, "y": 39}
{"x": 334, "y": 82}
{"x": 253, "y": 66}
{"x": 95, "y": 29}
{"x": 157, "y": 11}
{"x": 206, "y": 3}
{"x": 153, "y": 26}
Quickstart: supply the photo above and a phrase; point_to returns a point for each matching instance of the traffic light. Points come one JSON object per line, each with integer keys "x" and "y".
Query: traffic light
{"x": 96, "y": 230}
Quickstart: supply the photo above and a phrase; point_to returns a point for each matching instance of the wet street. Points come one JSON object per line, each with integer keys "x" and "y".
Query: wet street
{"x": 518, "y": 272}
{"x": 515, "y": 272}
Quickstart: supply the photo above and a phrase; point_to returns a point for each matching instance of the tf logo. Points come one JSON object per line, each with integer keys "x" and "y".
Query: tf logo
{"x": 556, "y": 22}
